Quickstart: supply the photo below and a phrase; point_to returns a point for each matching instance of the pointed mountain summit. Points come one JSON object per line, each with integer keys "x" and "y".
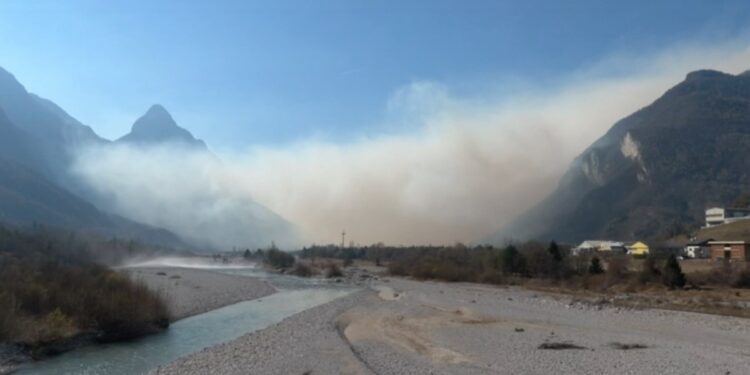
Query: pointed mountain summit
{"x": 158, "y": 126}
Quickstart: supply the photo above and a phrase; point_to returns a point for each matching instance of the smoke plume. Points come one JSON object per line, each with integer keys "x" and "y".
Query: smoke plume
{"x": 462, "y": 170}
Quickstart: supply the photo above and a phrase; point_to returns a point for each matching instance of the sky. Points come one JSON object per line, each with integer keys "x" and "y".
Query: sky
{"x": 419, "y": 122}
{"x": 244, "y": 73}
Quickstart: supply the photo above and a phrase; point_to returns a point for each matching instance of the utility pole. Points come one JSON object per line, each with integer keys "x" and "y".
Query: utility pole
{"x": 343, "y": 236}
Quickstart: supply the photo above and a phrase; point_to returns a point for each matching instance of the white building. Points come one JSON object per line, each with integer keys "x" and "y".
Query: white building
{"x": 697, "y": 249}
{"x": 590, "y": 246}
{"x": 718, "y": 215}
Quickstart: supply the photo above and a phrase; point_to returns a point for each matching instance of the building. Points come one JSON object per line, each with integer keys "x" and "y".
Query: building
{"x": 697, "y": 249}
{"x": 731, "y": 250}
{"x": 717, "y": 215}
{"x": 590, "y": 246}
{"x": 637, "y": 248}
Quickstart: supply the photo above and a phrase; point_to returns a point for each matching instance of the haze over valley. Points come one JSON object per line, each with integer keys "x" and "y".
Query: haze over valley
{"x": 338, "y": 187}
{"x": 398, "y": 188}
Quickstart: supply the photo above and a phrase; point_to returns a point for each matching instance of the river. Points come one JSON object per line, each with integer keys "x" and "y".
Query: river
{"x": 197, "y": 332}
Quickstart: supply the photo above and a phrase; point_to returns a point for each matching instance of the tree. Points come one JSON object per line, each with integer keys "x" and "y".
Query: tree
{"x": 596, "y": 266}
{"x": 672, "y": 275}
{"x": 554, "y": 250}
{"x": 279, "y": 259}
{"x": 512, "y": 261}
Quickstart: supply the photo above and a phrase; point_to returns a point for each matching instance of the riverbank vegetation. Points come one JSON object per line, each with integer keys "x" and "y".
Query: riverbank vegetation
{"x": 516, "y": 263}
{"x": 654, "y": 281}
{"x": 53, "y": 289}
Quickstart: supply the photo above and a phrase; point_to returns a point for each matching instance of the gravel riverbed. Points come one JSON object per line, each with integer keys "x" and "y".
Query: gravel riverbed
{"x": 412, "y": 327}
{"x": 194, "y": 291}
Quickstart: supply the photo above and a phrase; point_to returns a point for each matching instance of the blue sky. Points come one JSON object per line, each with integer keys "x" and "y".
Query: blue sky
{"x": 242, "y": 73}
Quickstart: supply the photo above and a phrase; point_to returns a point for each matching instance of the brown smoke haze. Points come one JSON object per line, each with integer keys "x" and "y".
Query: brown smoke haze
{"x": 469, "y": 167}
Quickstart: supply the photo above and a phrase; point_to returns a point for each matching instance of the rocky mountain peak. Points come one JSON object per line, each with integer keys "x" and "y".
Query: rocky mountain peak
{"x": 158, "y": 126}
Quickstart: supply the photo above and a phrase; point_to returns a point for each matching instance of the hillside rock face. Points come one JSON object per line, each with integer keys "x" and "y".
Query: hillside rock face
{"x": 654, "y": 172}
{"x": 157, "y": 126}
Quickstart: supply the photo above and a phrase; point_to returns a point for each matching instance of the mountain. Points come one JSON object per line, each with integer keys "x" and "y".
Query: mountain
{"x": 215, "y": 221}
{"x": 158, "y": 126}
{"x": 653, "y": 173}
{"x": 40, "y": 144}
{"x": 55, "y": 133}
{"x": 28, "y": 198}
{"x": 18, "y": 146}
{"x": 38, "y": 140}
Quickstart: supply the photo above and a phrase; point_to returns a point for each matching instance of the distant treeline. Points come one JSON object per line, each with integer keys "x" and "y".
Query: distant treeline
{"x": 458, "y": 262}
{"x": 530, "y": 260}
{"x": 53, "y": 287}
{"x": 272, "y": 257}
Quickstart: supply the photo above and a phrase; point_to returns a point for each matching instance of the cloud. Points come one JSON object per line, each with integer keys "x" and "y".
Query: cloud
{"x": 460, "y": 170}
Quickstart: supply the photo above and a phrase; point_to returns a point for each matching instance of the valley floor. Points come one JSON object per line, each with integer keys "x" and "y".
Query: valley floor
{"x": 409, "y": 327}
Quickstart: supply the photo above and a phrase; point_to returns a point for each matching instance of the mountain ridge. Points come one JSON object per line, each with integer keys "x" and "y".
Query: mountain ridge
{"x": 653, "y": 172}
{"x": 39, "y": 144}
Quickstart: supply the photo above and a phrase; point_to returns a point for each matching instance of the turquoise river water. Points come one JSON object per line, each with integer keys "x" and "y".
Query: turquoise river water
{"x": 197, "y": 332}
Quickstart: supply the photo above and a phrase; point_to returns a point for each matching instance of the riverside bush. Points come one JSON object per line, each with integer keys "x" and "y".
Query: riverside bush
{"x": 51, "y": 291}
{"x": 672, "y": 275}
{"x": 279, "y": 259}
{"x": 302, "y": 270}
{"x": 333, "y": 270}
{"x": 595, "y": 268}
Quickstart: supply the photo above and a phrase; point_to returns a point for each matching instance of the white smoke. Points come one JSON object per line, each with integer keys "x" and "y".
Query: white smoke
{"x": 463, "y": 170}
{"x": 184, "y": 189}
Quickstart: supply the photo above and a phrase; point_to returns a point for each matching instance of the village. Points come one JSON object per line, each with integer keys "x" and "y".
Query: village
{"x": 725, "y": 236}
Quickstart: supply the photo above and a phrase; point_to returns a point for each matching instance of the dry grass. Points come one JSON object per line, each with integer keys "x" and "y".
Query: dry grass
{"x": 708, "y": 300}
{"x": 690, "y": 266}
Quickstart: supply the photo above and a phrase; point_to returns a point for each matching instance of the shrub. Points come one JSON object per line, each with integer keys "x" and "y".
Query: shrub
{"x": 596, "y": 267}
{"x": 398, "y": 268}
{"x": 9, "y": 317}
{"x": 721, "y": 274}
{"x": 649, "y": 271}
{"x": 302, "y": 270}
{"x": 491, "y": 277}
{"x": 63, "y": 300}
{"x": 617, "y": 270}
{"x": 279, "y": 259}
{"x": 672, "y": 275}
{"x": 54, "y": 327}
{"x": 123, "y": 309}
{"x": 450, "y": 272}
{"x": 333, "y": 270}
{"x": 743, "y": 278}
